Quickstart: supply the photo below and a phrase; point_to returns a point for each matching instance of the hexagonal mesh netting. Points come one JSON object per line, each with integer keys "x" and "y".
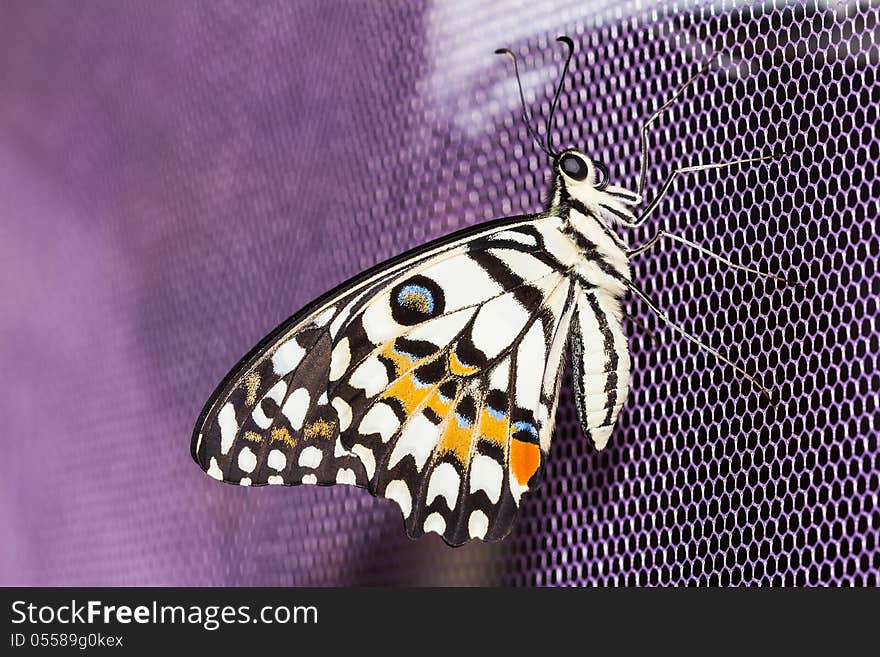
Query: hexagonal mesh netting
{"x": 180, "y": 179}
{"x": 704, "y": 483}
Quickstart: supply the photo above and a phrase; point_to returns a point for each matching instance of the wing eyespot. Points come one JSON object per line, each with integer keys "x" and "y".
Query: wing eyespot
{"x": 416, "y": 300}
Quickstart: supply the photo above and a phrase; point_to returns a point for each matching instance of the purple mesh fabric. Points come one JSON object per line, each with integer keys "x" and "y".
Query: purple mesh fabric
{"x": 177, "y": 179}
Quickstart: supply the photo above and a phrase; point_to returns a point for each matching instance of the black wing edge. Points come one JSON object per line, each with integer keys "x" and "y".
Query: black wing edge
{"x": 336, "y": 291}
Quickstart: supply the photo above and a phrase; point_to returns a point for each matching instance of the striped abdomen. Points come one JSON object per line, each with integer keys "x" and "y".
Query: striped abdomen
{"x": 600, "y": 363}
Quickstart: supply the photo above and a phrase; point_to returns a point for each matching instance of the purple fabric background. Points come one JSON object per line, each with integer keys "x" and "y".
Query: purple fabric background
{"x": 177, "y": 179}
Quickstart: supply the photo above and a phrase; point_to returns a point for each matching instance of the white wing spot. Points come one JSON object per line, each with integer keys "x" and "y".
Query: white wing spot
{"x": 370, "y": 376}
{"x": 277, "y": 460}
{"x": 379, "y": 419}
{"x": 487, "y": 475}
{"x": 276, "y": 392}
{"x": 435, "y": 523}
{"x": 418, "y": 438}
{"x": 214, "y": 470}
{"x": 340, "y": 359}
{"x": 296, "y": 406}
{"x": 398, "y": 491}
{"x": 310, "y": 479}
{"x": 310, "y": 457}
{"x": 247, "y": 460}
{"x": 275, "y": 480}
{"x": 346, "y": 476}
{"x": 444, "y": 483}
{"x": 365, "y": 454}
{"x": 343, "y": 412}
{"x": 287, "y": 357}
{"x": 245, "y": 481}
{"x": 478, "y": 524}
{"x": 377, "y": 321}
{"x": 228, "y": 427}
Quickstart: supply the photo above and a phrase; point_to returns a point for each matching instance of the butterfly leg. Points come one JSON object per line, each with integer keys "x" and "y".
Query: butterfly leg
{"x": 642, "y": 326}
{"x": 667, "y": 185}
{"x": 643, "y": 137}
{"x": 724, "y": 359}
{"x": 693, "y": 245}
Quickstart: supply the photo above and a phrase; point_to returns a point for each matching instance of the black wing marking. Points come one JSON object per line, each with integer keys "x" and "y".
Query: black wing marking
{"x": 292, "y": 410}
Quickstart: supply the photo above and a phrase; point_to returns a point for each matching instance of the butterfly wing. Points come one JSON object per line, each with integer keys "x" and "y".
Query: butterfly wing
{"x": 430, "y": 380}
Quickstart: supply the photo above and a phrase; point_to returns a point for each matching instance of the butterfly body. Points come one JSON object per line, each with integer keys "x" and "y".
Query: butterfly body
{"x": 433, "y": 379}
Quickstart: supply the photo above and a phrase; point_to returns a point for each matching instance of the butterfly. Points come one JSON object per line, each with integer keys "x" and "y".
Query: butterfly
{"x": 433, "y": 378}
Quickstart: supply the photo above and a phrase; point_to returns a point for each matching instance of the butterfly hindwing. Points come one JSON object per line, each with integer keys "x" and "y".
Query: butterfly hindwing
{"x": 431, "y": 380}
{"x": 455, "y": 437}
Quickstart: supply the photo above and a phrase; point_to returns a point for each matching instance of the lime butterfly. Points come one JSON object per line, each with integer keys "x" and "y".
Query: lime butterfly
{"x": 432, "y": 379}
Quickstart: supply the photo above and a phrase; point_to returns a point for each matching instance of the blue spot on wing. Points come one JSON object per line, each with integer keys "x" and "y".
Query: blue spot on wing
{"x": 419, "y": 383}
{"x": 410, "y": 292}
{"x": 400, "y": 352}
{"x": 525, "y": 426}
{"x": 494, "y": 412}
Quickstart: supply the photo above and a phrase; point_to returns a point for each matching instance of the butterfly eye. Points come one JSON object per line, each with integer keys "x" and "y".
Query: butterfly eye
{"x": 573, "y": 167}
{"x": 601, "y": 176}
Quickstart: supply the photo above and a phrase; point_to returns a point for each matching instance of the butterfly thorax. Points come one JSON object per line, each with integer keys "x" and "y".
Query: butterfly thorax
{"x": 603, "y": 263}
{"x": 589, "y": 210}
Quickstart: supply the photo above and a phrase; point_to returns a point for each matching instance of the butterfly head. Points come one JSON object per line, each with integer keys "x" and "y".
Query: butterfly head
{"x": 585, "y": 183}
{"x": 578, "y": 181}
{"x": 580, "y": 173}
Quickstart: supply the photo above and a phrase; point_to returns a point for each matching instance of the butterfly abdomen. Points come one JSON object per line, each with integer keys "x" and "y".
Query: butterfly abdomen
{"x": 600, "y": 363}
{"x": 598, "y": 346}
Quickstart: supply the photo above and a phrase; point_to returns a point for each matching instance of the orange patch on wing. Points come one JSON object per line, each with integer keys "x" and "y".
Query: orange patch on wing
{"x": 402, "y": 362}
{"x": 456, "y": 439}
{"x": 251, "y": 384}
{"x": 524, "y": 460}
{"x": 493, "y": 429}
{"x": 410, "y": 394}
{"x": 439, "y": 404}
{"x": 253, "y": 437}
{"x": 458, "y": 368}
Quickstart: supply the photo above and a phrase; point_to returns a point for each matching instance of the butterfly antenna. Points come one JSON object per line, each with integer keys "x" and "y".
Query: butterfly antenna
{"x": 526, "y": 117}
{"x": 552, "y": 116}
